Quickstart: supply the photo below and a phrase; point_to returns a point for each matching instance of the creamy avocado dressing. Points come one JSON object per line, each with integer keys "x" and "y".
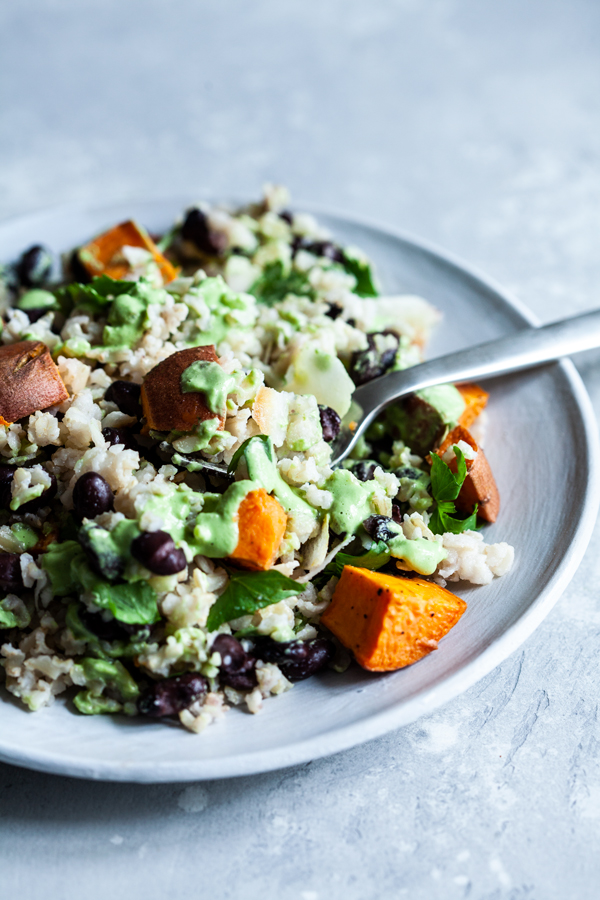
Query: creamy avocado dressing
{"x": 128, "y": 315}
{"x": 216, "y": 532}
{"x": 228, "y": 309}
{"x": 198, "y": 439}
{"x": 351, "y": 501}
{"x": 210, "y": 379}
{"x": 447, "y": 400}
{"x": 420, "y": 554}
{"x": 260, "y": 460}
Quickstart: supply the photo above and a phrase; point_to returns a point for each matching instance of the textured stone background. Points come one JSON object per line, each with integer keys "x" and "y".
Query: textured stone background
{"x": 475, "y": 124}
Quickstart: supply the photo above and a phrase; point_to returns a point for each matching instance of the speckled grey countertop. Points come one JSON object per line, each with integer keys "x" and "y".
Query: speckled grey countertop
{"x": 475, "y": 124}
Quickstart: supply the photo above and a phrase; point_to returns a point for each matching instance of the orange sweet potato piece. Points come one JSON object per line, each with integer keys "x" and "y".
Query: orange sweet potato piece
{"x": 389, "y": 622}
{"x": 165, "y": 406}
{"x": 475, "y": 399}
{"x": 479, "y": 486}
{"x": 29, "y": 380}
{"x": 261, "y": 523}
{"x": 104, "y": 256}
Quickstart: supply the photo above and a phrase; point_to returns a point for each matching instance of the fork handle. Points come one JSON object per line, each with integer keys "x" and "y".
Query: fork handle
{"x": 521, "y": 350}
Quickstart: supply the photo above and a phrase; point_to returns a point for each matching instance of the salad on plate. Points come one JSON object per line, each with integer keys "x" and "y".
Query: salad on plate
{"x": 173, "y": 538}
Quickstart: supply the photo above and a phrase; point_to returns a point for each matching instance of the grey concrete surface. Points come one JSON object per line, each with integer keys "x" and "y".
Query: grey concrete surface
{"x": 475, "y": 124}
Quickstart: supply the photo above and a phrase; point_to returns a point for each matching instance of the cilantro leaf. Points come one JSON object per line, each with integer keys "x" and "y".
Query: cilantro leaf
{"x": 445, "y": 485}
{"x": 13, "y": 614}
{"x": 445, "y": 488}
{"x": 376, "y": 556}
{"x": 249, "y": 591}
{"x": 134, "y": 604}
{"x": 94, "y": 297}
{"x": 66, "y": 565}
{"x": 241, "y": 451}
{"x": 443, "y": 520}
{"x": 274, "y": 284}
{"x": 361, "y": 269}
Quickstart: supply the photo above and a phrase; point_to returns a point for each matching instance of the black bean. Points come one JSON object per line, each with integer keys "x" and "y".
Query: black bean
{"x": 92, "y": 496}
{"x": 43, "y": 500}
{"x": 125, "y": 395}
{"x": 112, "y": 630}
{"x": 296, "y": 659}
{"x": 78, "y": 270}
{"x": 330, "y": 423}
{"x": 7, "y": 473}
{"x": 10, "y": 572}
{"x": 9, "y": 279}
{"x": 398, "y": 511}
{"x": 102, "y": 557}
{"x": 169, "y": 697}
{"x": 196, "y": 230}
{"x": 334, "y": 310}
{"x": 34, "y": 314}
{"x": 35, "y": 266}
{"x": 326, "y": 249}
{"x": 237, "y": 666}
{"x": 379, "y": 528}
{"x": 408, "y": 472}
{"x": 157, "y": 551}
{"x": 372, "y": 362}
{"x": 364, "y": 470}
{"x": 116, "y": 436}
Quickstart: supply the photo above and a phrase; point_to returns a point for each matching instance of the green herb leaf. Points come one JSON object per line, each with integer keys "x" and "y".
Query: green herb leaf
{"x": 376, "y": 556}
{"x": 134, "y": 604}
{"x": 13, "y": 617}
{"x": 445, "y": 487}
{"x": 101, "y": 674}
{"x": 241, "y": 451}
{"x": 94, "y": 297}
{"x": 275, "y": 284}
{"x": 61, "y": 562}
{"x": 249, "y": 591}
{"x": 361, "y": 269}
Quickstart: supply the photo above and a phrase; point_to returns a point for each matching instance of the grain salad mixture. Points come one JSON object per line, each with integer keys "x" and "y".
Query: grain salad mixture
{"x": 140, "y": 579}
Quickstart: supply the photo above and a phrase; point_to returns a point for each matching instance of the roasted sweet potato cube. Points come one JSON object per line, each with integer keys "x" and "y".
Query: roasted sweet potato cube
{"x": 475, "y": 402}
{"x": 104, "y": 255}
{"x": 165, "y": 406}
{"x": 261, "y": 523}
{"x": 389, "y": 622}
{"x": 479, "y": 486}
{"x": 29, "y": 380}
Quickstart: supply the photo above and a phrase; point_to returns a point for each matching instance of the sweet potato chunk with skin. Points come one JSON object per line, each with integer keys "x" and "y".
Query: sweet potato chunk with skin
{"x": 104, "y": 255}
{"x": 29, "y": 380}
{"x": 165, "y": 406}
{"x": 261, "y": 523}
{"x": 389, "y": 622}
{"x": 475, "y": 399}
{"x": 479, "y": 486}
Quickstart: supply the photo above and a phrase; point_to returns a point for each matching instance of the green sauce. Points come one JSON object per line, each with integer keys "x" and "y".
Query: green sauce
{"x": 198, "y": 439}
{"x": 221, "y": 301}
{"x": 208, "y": 378}
{"x": 351, "y": 501}
{"x": 262, "y": 468}
{"x": 128, "y": 315}
{"x": 216, "y": 532}
{"x": 420, "y": 554}
{"x": 447, "y": 400}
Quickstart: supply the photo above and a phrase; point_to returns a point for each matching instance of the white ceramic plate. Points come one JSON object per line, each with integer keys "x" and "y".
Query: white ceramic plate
{"x": 543, "y": 448}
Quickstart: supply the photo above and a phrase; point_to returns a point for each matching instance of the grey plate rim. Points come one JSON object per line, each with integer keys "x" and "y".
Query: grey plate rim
{"x": 428, "y": 699}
